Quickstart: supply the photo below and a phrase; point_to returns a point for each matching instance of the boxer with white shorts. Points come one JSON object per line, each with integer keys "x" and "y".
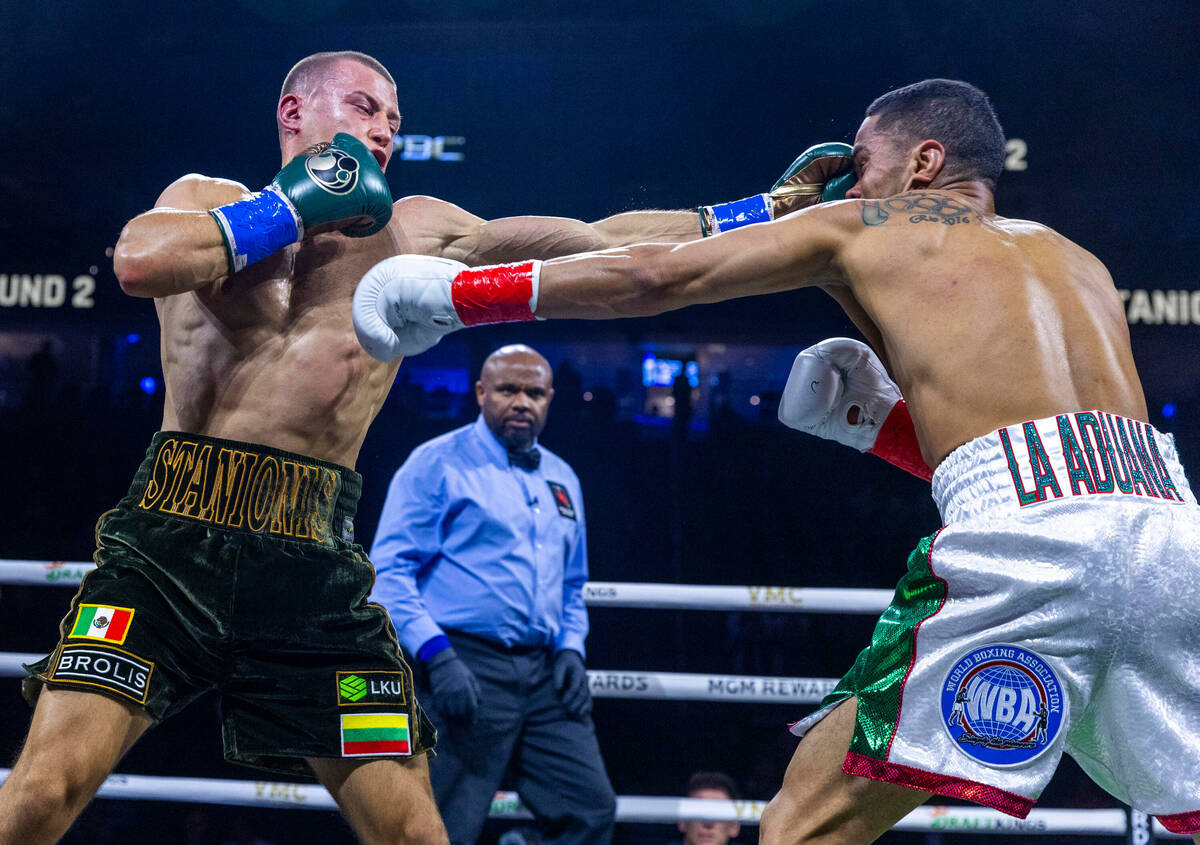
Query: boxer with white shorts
{"x": 1032, "y": 623}
{"x": 1017, "y": 633}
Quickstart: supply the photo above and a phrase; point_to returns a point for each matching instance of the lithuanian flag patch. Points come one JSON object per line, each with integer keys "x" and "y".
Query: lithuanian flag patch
{"x": 375, "y": 734}
{"x": 100, "y": 622}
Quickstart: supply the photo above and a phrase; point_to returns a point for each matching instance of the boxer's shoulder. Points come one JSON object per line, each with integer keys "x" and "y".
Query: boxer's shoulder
{"x": 430, "y": 224}
{"x": 199, "y": 192}
{"x": 425, "y": 212}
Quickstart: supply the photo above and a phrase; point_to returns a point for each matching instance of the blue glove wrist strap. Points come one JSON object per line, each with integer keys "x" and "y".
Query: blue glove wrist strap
{"x": 255, "y": 228}
{"x": 733, "y": 215}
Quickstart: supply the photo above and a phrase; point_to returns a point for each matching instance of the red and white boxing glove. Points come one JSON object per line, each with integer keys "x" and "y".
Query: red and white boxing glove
{"x": 839, "y": 390}
{"x": 407, "y": 303}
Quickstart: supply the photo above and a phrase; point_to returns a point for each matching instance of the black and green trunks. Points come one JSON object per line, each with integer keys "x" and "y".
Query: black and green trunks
{"x": 232, "y": 566}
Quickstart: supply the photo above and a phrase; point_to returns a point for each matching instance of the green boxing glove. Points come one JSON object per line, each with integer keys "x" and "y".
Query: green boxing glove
{"x": 336, "y": 183}
{"x": 822, "y": 173}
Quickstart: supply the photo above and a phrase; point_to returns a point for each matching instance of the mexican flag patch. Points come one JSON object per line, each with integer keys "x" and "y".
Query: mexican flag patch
{"x": 98, "y": 622}
{"x": 375, "y": 734}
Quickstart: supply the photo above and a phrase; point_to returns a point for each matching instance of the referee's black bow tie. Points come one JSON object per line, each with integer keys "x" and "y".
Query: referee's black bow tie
{"x": 528, "y": 460}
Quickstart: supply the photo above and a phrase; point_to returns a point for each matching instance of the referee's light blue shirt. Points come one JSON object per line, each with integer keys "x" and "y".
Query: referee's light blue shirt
{"x": 467, "y": 542}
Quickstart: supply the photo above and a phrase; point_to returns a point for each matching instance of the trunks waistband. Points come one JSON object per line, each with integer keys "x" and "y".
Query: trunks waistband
{"x": 1071, "y": 456}
{"x": 246, "y": 487}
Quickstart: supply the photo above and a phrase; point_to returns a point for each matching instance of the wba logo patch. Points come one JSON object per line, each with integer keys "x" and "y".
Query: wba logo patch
{"x": 1003, "y": 705}
{"x": 371, "y": 687}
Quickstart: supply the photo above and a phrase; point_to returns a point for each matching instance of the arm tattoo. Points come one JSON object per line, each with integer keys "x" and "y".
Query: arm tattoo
{"x": 918, "y": 207}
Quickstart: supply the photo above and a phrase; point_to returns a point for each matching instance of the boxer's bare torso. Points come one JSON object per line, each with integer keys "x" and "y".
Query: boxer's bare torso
{"x": 984, "y": 321}
{"x": 269, "y": 355}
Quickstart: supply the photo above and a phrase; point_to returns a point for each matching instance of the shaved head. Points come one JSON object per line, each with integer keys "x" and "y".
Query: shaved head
{"x": 311, "y": 71}
{"x": 501, "y": 355}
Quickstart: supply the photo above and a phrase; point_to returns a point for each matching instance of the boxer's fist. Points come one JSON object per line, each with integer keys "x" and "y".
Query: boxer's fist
{"x": 404, "y": 305}
{"x": 337, "y": 185}
{"x": 821, "y": 173}
{"x": 839, "y": 390}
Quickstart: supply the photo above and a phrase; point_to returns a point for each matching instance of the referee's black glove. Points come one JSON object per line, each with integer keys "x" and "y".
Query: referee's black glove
{"x": 571, "y": 683}
{"x": 455, "y": 690}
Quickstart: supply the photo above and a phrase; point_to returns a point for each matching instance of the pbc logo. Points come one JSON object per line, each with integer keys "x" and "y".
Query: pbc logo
{"x": 334, "y": 170}
{"x": 371, "y": 687}
{"x": 1002, "y": 705}
{"x": 562, "y": 499}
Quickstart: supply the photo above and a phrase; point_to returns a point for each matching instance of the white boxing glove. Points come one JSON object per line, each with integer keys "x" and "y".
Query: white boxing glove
{"x": 403, "y": 305}
{"x": 831, "y": 379}
{"x": 839, "y": 390}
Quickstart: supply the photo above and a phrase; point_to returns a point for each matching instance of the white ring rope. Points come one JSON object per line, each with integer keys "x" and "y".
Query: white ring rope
{"x": 630, "y": 808}
{"x": 595, "y": 593}
{"x": 666, "y": 686}
{"x": 675, "y": 686}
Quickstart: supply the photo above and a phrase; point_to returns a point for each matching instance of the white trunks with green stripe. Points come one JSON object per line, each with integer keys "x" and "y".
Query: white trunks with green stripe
{"x": 1058, "y": 609}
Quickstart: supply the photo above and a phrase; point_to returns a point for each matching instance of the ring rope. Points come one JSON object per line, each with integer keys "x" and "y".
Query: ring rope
{"x": 664, "y": 686}
{"x": 630, "y": 808}
{"x": 595, "y": 593}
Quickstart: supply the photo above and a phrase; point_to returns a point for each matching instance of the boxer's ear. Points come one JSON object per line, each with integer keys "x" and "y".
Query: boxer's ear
{"x": 930, "y": 158}
{"x": 288, "y": 112}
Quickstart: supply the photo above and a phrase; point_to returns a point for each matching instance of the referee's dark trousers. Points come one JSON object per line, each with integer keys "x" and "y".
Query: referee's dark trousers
{"x": 521, "y": 727}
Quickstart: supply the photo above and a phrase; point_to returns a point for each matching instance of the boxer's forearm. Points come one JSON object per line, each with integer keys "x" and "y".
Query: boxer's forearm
{"x": 638, "y": 227}
{"x": 168, "y": 251}
{"x": 520, "y": 238}
{"x": 649, "y": 279}
{"x": 528, "y": 237}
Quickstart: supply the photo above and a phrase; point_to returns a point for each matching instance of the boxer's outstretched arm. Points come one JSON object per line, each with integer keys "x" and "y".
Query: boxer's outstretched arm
{"x": 436, "y": 227}
{"x": 798, "y": 251}
{"x": 176, "y": 246}
{"x": 405, "y": 304}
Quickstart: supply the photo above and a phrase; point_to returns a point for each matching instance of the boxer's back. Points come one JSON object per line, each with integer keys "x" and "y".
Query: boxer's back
{"x": 989, "y": 321}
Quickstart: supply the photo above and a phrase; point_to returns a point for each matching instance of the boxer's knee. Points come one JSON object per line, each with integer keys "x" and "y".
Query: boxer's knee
{"x": 39, "y": 800}
{"x": 423, "y": 828}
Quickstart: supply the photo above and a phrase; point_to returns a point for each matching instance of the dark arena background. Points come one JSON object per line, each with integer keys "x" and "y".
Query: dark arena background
{"x": 580, "y": 109}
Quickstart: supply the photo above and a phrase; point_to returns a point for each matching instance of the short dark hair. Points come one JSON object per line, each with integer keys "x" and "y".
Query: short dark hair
{"x": 712, "y": 780}
{"x": 302, "y": 74}
{"x": 955, "y": 113}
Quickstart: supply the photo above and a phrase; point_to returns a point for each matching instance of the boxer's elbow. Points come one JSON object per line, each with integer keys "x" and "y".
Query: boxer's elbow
{"x": 143, "y": 269}
{"x": 135, "y": 273}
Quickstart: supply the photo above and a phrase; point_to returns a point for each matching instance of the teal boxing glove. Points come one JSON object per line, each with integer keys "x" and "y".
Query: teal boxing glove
{"x": 822, "y": 173}
{"x": 337, "y": 183}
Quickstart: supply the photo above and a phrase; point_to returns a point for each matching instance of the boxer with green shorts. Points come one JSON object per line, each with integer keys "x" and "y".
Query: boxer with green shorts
{"x": 237, "y": 523}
